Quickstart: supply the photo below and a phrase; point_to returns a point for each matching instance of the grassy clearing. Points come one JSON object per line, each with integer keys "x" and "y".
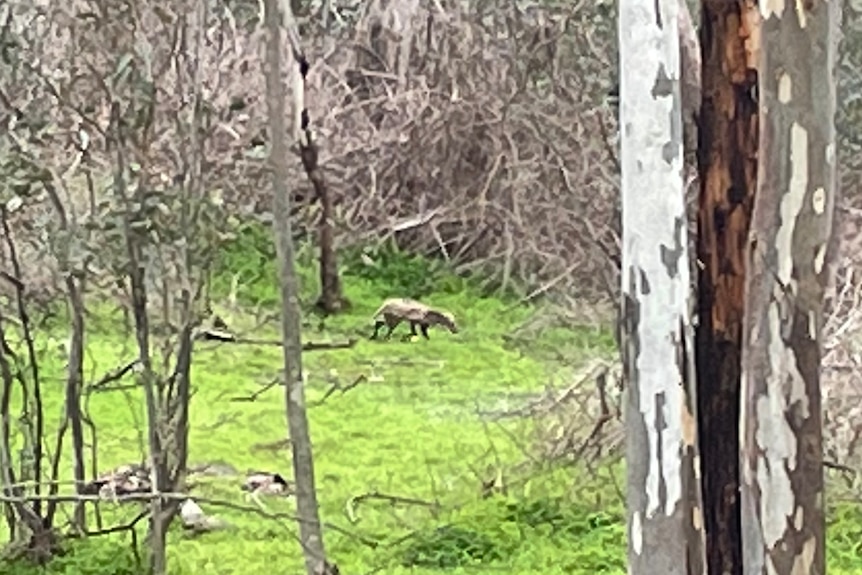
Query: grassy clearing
{"x": 410, "y": 431}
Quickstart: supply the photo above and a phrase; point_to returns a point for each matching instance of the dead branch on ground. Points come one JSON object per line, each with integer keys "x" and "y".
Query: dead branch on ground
{"x": 336, "y": 386}
{"x": 352, "y": 504}
{"x": 226, "y": 337}
{"x": 182, "y": 496}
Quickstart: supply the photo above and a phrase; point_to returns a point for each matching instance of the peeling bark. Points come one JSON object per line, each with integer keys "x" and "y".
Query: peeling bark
{"x": 727, "y": 161}
{"x": 782, "y": 451}
{"x": 665, "y": 530}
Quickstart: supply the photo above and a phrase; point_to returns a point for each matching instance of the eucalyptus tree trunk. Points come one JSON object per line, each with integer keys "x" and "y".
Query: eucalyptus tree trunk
{"x": 727, "y": 166}
{"x": 789, "y": 248}
{"x": 308, "y": 513}
{"x": 665, "y": 533}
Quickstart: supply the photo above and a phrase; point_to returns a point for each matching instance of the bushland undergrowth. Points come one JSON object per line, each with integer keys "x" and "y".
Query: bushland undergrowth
{"x": 401, "y": 455}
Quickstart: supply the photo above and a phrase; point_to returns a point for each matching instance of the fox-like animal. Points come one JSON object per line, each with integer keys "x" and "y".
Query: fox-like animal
{"x": 393, "y": 311}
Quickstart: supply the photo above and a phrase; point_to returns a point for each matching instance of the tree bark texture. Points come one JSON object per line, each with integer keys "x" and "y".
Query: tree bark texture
{"x": 782, "y": 450}
{"x": 727, "y": 165}
{"x": 331, "y": 300}
{"x": 664, "y": 514}
{"x": 297, "y": 418}
{"x": 74, "y": 385}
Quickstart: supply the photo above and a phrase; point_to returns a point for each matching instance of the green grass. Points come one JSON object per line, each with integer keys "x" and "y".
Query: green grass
{"x": 409, "y": 431}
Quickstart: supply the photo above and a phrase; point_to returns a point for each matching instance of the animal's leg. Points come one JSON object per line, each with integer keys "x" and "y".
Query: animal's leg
{"x": 255, "y": 496}
{"x": 392, "y": 322}
{"x": 425, "y": 331}
{"x": 377, "y": 325}
{"x": 412, "y": 334}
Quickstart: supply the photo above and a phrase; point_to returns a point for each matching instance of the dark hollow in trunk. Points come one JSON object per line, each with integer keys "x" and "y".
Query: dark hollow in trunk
{"x": 727, "y": 159}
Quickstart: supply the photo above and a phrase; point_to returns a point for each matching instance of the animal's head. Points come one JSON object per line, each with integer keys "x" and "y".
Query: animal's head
{"x": 264, "y": 481}
{"x": 445, "y": 319}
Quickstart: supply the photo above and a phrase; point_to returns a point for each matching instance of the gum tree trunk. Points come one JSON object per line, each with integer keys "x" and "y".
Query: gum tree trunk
{"x": 782, "y": 457}
{"x": 665, "y": 534}
{"x": 727, "y": 166}
{"x": 308, "y": 513}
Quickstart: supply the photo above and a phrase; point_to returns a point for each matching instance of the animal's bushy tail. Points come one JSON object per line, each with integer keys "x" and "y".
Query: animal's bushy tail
{"x": 382, "y": 307}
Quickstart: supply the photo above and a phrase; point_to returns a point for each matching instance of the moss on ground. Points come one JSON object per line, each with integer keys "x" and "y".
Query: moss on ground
{"x": 409, "y": 430}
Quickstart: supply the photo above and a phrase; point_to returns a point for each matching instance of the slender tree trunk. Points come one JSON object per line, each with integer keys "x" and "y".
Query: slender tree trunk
{"x": 157, "y": 560}
{"x": 331, "y": 300}
{"x": 665, "y": 534}
{"x": 297, "y": 418}
{"x": 727, "y": 159}
{"x": 782, "y": 451}
{"x": 74, "y": 385}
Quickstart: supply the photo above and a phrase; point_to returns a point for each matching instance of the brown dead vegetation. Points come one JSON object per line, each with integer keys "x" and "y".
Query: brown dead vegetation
{"x": 477, "y": 137}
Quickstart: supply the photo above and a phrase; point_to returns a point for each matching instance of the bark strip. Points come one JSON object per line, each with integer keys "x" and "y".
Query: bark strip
{"x": 782, "y": 449}
{"x": 727, "y": 165}
{"x": 664, "y": 514}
